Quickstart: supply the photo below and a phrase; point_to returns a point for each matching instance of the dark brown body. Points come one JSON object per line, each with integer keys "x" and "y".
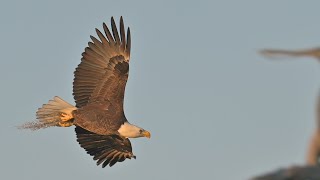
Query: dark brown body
{"x": 97, "y": 117}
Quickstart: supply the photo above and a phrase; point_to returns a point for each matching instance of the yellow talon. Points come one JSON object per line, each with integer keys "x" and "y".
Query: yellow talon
{"x": 65, "y": 116}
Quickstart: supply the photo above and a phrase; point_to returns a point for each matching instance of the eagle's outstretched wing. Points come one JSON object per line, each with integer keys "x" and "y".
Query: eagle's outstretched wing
{"x": 106, "y": 149}
{"x": 98, "y": 89}
{"x": 102, "y": 73}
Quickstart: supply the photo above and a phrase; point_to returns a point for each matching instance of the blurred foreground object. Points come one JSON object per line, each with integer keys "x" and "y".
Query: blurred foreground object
{"x": 313, "y": 154}
{"x": 311, "y": 171}
{"x": 293, "y": 173}
{"x": 278, "y": 53}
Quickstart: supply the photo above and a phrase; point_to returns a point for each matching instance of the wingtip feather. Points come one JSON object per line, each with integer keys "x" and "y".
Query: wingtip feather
{"x": 115, "y": 31}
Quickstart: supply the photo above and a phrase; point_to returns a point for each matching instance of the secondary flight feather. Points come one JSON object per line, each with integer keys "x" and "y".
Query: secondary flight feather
{"x": 100, "y": 79}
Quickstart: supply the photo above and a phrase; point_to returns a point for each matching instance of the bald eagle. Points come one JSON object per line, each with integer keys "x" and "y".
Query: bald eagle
{"x": 101, "y": 126}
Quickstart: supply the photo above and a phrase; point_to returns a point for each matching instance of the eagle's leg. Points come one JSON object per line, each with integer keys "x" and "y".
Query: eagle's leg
{"x": 66, "y": 123}
{"x": 66, "y": 119}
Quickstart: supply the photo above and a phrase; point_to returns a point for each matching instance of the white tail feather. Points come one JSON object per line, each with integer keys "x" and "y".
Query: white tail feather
{"x": 50, "y": 114}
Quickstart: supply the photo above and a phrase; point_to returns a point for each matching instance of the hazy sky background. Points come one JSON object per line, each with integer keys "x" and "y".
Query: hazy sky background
{"x": 216, "y": 109}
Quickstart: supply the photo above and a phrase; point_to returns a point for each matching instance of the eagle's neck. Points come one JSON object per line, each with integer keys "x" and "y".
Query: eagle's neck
{"x": 129, "y": 130}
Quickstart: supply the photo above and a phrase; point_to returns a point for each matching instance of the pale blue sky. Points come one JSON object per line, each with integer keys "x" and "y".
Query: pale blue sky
{"x": 216, "y": 109}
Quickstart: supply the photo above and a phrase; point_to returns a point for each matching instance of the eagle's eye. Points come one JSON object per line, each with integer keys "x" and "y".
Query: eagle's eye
{"x": 140, "y": 131}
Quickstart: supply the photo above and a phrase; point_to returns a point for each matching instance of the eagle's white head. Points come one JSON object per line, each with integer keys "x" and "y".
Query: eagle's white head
{"x": 131, "y": 131}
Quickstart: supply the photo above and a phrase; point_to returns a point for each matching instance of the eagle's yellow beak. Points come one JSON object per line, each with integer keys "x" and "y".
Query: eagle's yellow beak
{"x": 146, "y": 134}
